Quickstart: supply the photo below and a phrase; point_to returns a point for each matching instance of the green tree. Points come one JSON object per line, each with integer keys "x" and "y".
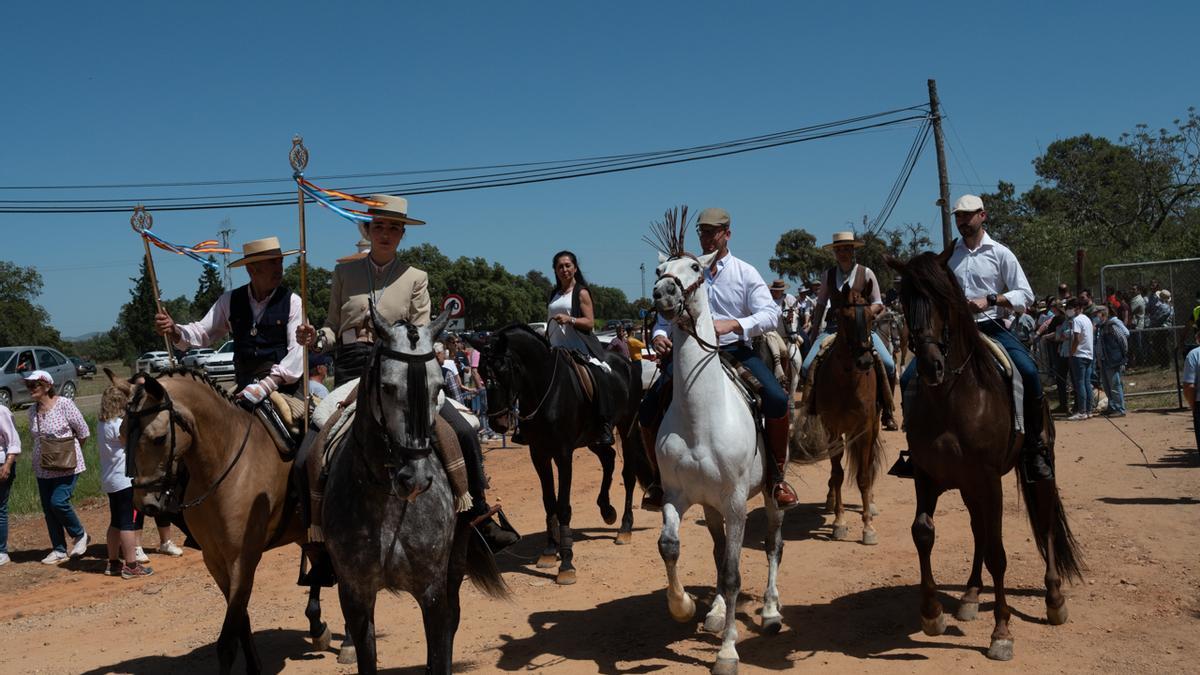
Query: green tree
{"x": 209, "y": 289}
{"x": 540, "y": 282}
{"x": 798, "y": 257}
{"x": 181, "y": 309}
{"x": 433, "y": 262}
{"x": 609, "y": 303}
{"x": 135, "y": 323}
{"x": 24, "y": 321}
{"x": 494, "y": 297}
{"x": 320, "y": 286}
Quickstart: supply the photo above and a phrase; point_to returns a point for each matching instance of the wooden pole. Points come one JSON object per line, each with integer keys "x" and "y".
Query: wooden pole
{"x": 943, "y": 178}
{"x": 140, "y": 221}
{"x": 299, "y": 160}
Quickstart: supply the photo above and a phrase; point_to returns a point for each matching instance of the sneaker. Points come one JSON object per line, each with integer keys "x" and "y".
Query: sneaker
{"x": 138, "y": 570}
{"x": 113, "y": 569}
{"x": 139, "y": 556}
{"x": 168, "y": 547}
{"x": 54, "y": 558}
{"x": 79, "y": 546}
{"x": 1077, "y": 417}
{"x": 4, "y": 559}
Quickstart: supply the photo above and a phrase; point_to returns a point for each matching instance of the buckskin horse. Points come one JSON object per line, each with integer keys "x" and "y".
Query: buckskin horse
{"x": 389, "y": 510}
{"x": 845, "y": 384}
{"x": 518, "y": 365}
{"x": 710, "y": 453}
{"x": 237, "y": 499}
{"x": 962, "y": 436}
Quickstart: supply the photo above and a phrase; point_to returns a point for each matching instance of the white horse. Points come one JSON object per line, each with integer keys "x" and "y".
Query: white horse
{"x": 709, "y": 453}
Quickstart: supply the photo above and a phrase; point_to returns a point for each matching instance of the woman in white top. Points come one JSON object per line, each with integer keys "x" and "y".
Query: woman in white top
{"x": 570, "y": 324}
{"x": 10, "y": 447}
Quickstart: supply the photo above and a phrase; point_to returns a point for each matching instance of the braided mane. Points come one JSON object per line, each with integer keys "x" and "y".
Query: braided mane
{"x": 200, "y": 375}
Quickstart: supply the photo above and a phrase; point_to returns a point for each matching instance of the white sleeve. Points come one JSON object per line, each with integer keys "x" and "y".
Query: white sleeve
{"x": 213, "y": 327}
{"x": 661, "y": 327}
{"x": 291, "y": 368}
{"x": 1019, "y": 292}
{"x": 764, "y": 313}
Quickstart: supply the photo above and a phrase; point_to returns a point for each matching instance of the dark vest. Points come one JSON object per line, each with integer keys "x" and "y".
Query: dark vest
{"x": 857, "y": 282}
{"x": 589, "y": 337}
{"x": 262, "y": 344}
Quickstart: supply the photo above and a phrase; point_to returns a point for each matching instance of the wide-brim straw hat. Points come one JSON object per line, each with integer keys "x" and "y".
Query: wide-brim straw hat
{"x": 844, "y": 239}
{"x": 261, "y": 249}
{"x": 388, "y": 207}
{"x": 778, "y": 285}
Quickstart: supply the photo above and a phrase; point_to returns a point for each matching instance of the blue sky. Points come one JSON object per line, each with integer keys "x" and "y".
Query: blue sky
{"x": 143, "y": 92}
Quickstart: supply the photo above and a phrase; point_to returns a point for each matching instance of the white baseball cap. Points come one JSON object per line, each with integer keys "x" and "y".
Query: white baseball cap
{"x": 40, "y": 375}
{"x": 968, "y": 203}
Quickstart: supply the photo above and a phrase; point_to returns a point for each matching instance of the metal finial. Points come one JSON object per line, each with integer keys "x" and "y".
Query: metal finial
{"x": 299, "y": 154}
{"x": 141, "y": 220}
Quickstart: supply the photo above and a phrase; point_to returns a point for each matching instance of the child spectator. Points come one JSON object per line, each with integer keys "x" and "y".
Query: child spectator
{"x": 122, "y": 531}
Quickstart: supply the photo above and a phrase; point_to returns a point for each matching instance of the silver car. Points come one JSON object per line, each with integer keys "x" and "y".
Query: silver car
{"x": 195, "y": 358}
{"x": 17, "y": 362}
{"x": 152, "y": 362}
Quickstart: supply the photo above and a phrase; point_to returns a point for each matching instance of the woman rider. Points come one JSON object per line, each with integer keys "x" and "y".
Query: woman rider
{"x": 400, "y": 293}
{"x": 570, "y": 323}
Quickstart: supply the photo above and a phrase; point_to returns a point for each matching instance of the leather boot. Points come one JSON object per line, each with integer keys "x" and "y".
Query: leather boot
{"x": 606, "y": 434}
{"x": 652, "y": 500}
{"x": 776, "y": 440}
{"x": 1035, "y": 461}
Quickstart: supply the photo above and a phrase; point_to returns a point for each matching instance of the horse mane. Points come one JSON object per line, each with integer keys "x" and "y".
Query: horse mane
{"x": 525, "y": 328}
{"x": 667, "y": 235}
{"x": 927, "y": 275}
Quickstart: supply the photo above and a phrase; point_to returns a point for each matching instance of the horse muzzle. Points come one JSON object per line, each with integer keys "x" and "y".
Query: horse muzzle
{"x": 668, "y": 298}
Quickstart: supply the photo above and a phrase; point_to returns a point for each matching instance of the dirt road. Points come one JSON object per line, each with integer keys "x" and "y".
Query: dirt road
{"x": 848, "y": 607}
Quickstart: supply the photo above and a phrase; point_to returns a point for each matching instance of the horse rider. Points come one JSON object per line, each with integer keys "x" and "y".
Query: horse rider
{"x": 992, "y": 280}
{"x": 849, "y": 274}
{"x": 742, "y": 309}
{"x": 398, "y": 292}
{"x": 261, "y": 317}
{"x": 788, "y": 306}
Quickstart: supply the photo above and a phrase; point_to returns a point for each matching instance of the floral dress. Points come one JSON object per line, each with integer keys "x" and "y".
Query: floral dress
{"x": 63, "y": 420}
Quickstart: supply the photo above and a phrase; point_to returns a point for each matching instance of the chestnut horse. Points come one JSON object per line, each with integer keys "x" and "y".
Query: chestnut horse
{"x": 962, "y": 437}
{"x": 844, "y": 387}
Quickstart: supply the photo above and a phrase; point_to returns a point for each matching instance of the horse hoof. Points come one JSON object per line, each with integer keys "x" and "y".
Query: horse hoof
{"x": 841, "y": 533}
{"x": 870, "y": 538}
{"x": 725, "y": 667}
{"x": 565, "y": 577}
{"x": 686, "y": 611}
{"x": 1057, "y": 617}
{"x": 934, "y": 627}
{"x": 623, "y": 538}
{"x": 321, "y": 643}
{"x": 772, "y": 625}
{"x": 1001, "y": 650}
{"x": 714, "y": 623}
{"x": 609, "y": 514}
{"x": 547, "y": 560}
{"x": 874, "y": 510}
{"x": 967, "y": 611}
{"x": 347, "y": 655}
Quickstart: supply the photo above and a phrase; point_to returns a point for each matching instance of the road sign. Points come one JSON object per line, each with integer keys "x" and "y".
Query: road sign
{"x": 455, "y": 304}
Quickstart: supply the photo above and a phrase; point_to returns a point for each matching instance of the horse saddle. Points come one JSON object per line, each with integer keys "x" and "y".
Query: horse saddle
{"x": 746, "y": 383}
{"x": 283, "y": 417}
{"x": 583, "y": 366}
{"x": 1005, "y": 365}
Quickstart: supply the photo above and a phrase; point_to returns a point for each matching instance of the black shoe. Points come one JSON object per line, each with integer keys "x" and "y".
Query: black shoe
{"x": 889, "y": 423}
{"x": 497, "y": 537}
{"x": 903, "y": 468}
{"x": 518, "y": 437}
{"x": 1034, "y": 463}
{"x": 606, "y": 437}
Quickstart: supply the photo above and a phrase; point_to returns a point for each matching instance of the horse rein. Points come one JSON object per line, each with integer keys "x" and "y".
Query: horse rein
{"x": 921, "y": 337}
{"x": 558, "y": 357}
{"x": 687, "y": 293}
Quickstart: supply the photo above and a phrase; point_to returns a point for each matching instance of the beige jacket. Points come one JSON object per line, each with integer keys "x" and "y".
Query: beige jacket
{"x": 401, "y": 293}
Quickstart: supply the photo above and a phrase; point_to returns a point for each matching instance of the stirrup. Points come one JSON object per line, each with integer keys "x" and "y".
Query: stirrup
{"x": 784, "y": 496}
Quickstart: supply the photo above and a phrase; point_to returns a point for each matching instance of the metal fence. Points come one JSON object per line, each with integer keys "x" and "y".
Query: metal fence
{"x": 1162, "y": 334}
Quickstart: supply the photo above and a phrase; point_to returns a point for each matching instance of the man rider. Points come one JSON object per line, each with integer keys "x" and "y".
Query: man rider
{"x": 992, "y": 279}
{"x": 742, "y": 308}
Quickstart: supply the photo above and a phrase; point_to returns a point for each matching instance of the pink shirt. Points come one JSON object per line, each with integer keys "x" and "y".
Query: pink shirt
{"x": 62, "y": 421}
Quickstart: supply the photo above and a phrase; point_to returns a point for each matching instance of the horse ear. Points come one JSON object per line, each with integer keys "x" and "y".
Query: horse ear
{"x": 154, "y": 388}
{"x": 706, "y": 260}
{"x": 662, "y": 257}
{"x": 894, "y": 263}
{"x": 120, "y": 383}
{"x": 439, "y": 324}
{"x": 944, "y": 256}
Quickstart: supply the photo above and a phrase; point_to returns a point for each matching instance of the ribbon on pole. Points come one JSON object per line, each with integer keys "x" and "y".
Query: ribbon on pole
{"x": 195, "y": 252}
{"x": 298, "y": 157}
{"x": 141, "y": 221}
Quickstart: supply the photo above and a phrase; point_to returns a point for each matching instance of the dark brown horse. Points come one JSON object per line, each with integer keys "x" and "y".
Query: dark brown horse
{"x": 844, "y": 388}
{"x": 962, "y": 437}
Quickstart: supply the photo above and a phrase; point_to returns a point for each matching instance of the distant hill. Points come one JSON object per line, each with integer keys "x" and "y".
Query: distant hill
{"x": 85, "y": 336}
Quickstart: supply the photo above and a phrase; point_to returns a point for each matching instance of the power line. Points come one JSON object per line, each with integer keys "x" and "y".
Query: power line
{"x": 906, "y": 169}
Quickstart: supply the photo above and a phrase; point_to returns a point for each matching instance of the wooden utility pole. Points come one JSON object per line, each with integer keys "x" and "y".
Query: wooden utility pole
{"x": 943, "y": 178}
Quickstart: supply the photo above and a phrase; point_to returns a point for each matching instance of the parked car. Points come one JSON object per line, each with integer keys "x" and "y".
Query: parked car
{"x": 17, "y": 362}
{"x": 195, "y": 358}
{"x": 153, "y": 362}
{"x": 83, "y": 367}
{"x": 220, "y": 364}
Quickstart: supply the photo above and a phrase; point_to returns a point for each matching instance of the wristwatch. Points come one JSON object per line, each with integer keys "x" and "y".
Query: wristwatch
{"x": 991, "y": 299}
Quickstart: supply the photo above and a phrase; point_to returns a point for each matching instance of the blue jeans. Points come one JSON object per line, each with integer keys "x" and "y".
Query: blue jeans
{"x": 479, "y": 407}
{"x": 5, "y": 487}
{"x": 56, "y": 496}
{"x": 1114, "y": 389}
{"x": 774, "y": 399}
{"x": 885, "y": 355}
{"x": 1081, "y": 378}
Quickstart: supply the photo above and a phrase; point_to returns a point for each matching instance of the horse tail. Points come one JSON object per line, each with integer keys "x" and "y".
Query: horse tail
{"x": 481, "y": 567}
{"x": 868, "y": 455}
{"x": 1050, "y": 526}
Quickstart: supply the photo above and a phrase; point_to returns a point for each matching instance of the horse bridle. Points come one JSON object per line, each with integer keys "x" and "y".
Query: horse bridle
{"x": 512, "y": 398}
{"x": 686, "y": 292}
{"x": 168, "y": 483}
{"x": 918, "y": 336}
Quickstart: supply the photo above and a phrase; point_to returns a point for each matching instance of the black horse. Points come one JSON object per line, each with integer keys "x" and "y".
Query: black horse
{"x": 390, "y": 518}
{"x": 519, "y": 365}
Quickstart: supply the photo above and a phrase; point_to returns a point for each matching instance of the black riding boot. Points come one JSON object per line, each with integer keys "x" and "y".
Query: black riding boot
{"x": 496, "y": 536}
{"x": 1035, "y": 461}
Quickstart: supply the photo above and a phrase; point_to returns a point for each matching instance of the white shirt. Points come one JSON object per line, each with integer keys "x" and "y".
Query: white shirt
{"x": 844, "y": 280}
{"x": 215, "y": 325}
{"x": 737, "y": 291}
{"x": 112, "y": 457}
{"x": 1081, "y": 325}
{"x": 10, "y": 440}
{"x": 563, "y": 335}
{"x": 990, "y": 268}
{"x": 787, "y": 303}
